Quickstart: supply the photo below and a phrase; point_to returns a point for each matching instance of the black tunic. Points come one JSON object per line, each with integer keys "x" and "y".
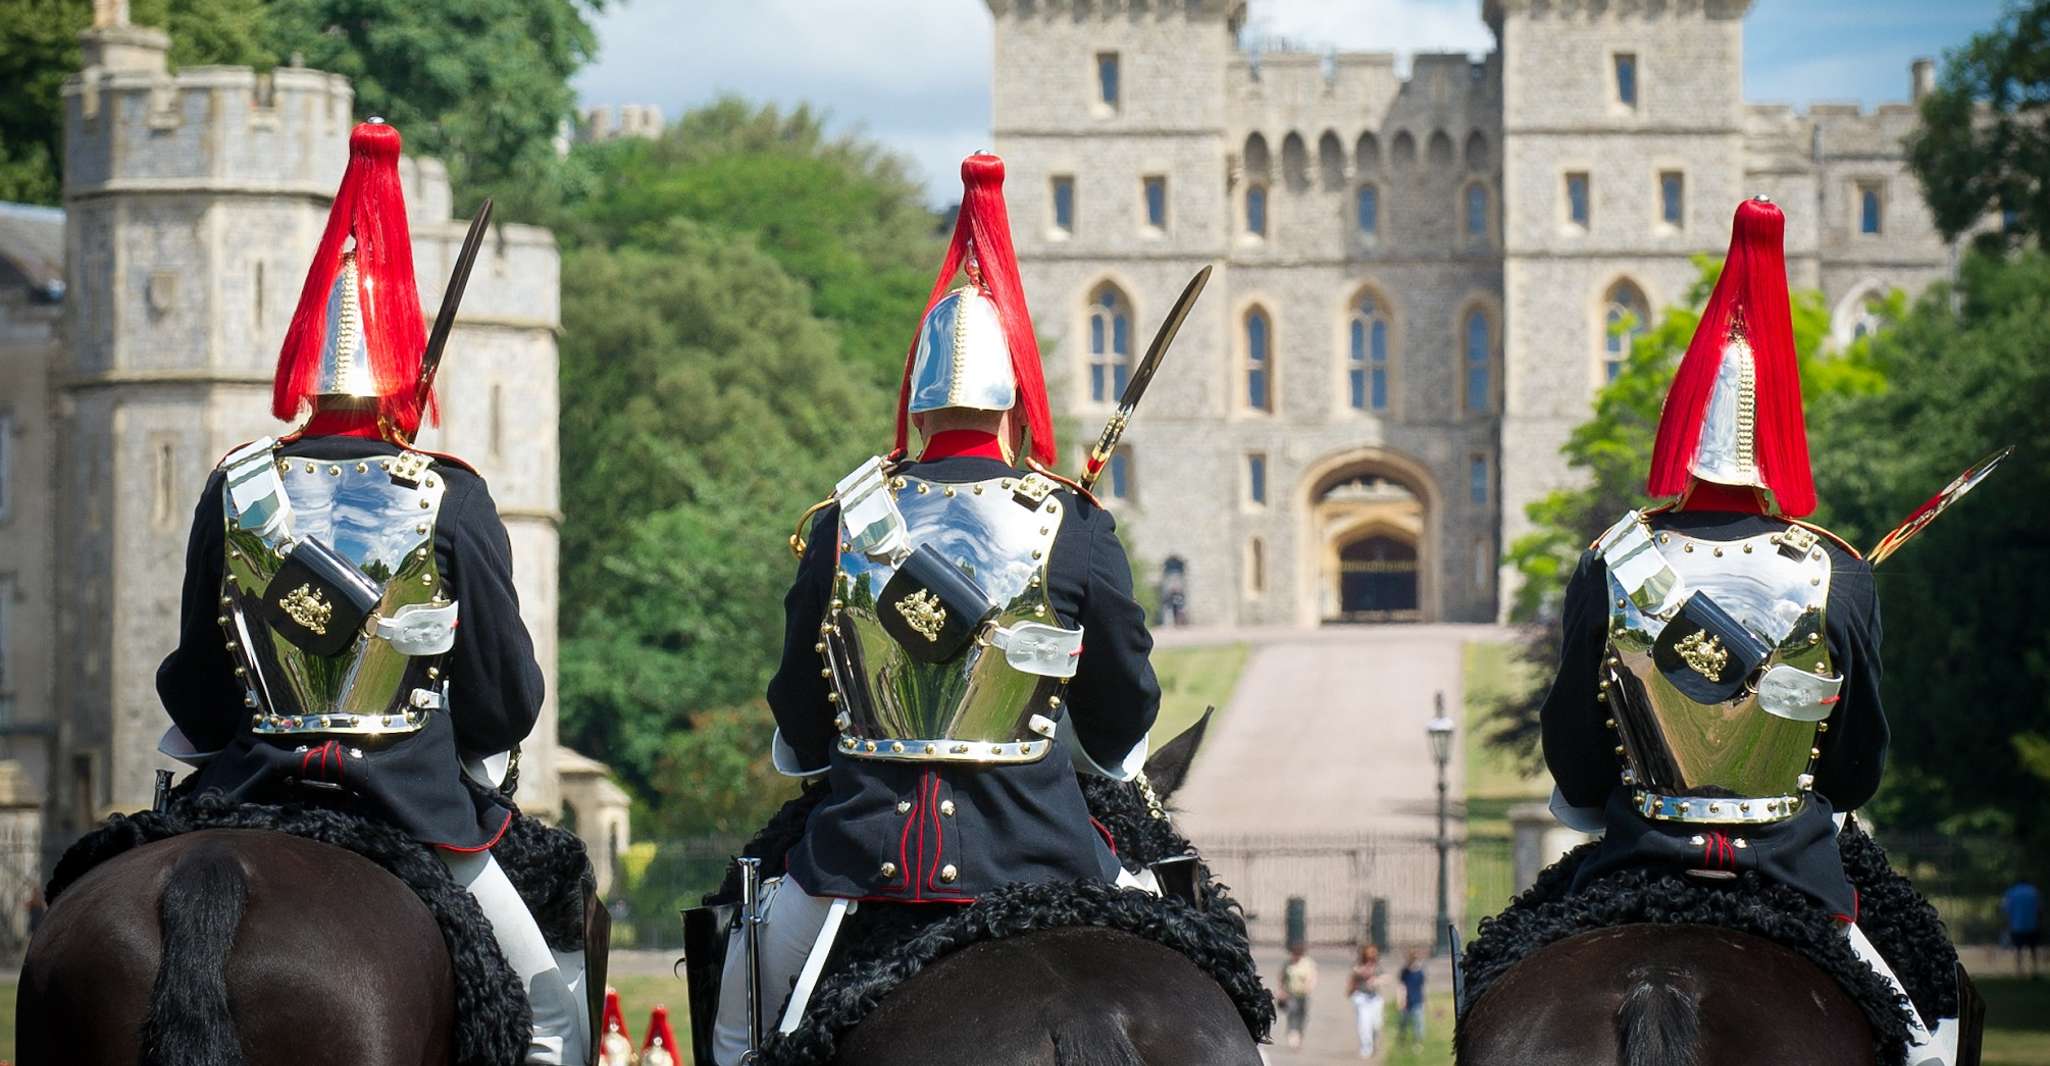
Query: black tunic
{"x": 412, "y": 780}
{"x": 1009, "y": 823}
{"x": 1580, "y": 748}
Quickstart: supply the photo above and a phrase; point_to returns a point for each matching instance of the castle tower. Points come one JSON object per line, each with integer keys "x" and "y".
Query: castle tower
{"x": 1624, "y": 136}
{"x": 192, "y": 203}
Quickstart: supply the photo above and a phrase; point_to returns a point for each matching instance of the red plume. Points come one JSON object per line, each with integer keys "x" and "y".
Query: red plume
{"x": 1753, "y": 287}
{"x": 658, "y": 1026}
{"x": 984, "y": 226}
{"x": 371, "y": 207}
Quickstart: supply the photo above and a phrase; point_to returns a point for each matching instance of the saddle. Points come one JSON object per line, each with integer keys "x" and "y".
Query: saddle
{"x": 1564, "y": 902}
{"x": 546, "y": 864}
{"x": 884, "y": 945}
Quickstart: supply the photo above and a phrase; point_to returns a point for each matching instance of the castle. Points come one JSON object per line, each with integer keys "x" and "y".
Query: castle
{"x": 139, "y": 327}
{"x": 1421, "y": 282}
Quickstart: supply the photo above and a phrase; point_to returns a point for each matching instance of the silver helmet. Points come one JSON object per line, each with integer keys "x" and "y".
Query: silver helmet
{"x": 962, "y": 358}
{"x": 1727, "y": 452}
{"x": 344, "y": 358}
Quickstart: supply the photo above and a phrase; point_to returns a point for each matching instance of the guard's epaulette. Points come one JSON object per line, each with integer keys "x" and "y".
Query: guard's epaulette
{"x": 1065, "y": 482}
{"x": 1833, "y": 538}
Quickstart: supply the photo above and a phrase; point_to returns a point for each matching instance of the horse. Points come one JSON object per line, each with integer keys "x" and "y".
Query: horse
{"x": 224, "y": 947}
{"x": 1665, "y": 995}
{"x": 1071, "y": 995}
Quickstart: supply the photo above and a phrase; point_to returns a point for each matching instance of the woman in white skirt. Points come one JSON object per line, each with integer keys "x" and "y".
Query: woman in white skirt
{"x": 1365, "y": 991}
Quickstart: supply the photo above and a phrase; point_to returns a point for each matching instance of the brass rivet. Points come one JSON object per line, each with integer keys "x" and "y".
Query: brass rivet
{"x": 820, "y": 647}
{"x": 1665, "y": 538}
{"x": 225, "y": 601}
{"x": 1621, "y": 602}
{"x": 1815, "y": 581}
{"x": 978, "y": 490}
{"x": 363, "y": 468}
{"x": 903, "y": 806}
{"x": 827, "y": 672}
{"x": 234, "y": 645}
{"x": 221, "y": 621}
{"x": 996, "y": 749}
{"x": 950, "y": 490}
{"x": 896, "y": 747}
{"x": 334, "y": 471}
{"x": 420, "y": 529}
{"x": 309, "y": 468}
{"x": 929, "y": 749}
{"x": 427, "y": 579}
{"x": 1619, "y": 749}
{"x": 1036, "y": 553}
{"x": 1611, "y": 723}
{"x": 1749, "y": 548}
{"x": 889, "y": 869}
{"x": 240, "y": 672}
{"x": 1718, "y": 553}
{"x": 1822, "y": 727}
{"x": 1815, "y": 753}
{"x": 425, "y": 505}
{"x": 1743, "y": 808}
{"x": 1053, "y": 702}
{"x": 947, "y": 808}
{"x": 434, "y": 673}
{"x": 838, "y": 605}
{"x": 429, "y": 483}
{"x": 948, "y": 874}
{"x": 1814, "y": 639}
{"x": 1689, "y": 547}
{"x": 923, "y": 488}
{"x": 832, "y": 697}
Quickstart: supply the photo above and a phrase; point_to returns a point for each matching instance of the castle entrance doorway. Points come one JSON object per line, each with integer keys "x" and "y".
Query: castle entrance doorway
{"x": 1371, "y": 530}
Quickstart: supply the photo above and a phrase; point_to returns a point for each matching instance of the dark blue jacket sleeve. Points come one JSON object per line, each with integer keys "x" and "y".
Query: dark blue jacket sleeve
{"x": 797, "y": 693}
{"x": 196, "y": 682}
{"x": 1114, "y": 696}
{"x": 1854, "y": 751}
{"x": 1579, "y": 748}
{"x": 495, "y": 683}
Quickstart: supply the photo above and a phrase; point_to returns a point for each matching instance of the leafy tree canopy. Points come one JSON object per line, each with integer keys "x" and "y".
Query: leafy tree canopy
{"x": 1983, "y": 147}
{"x": 482, "y": 85}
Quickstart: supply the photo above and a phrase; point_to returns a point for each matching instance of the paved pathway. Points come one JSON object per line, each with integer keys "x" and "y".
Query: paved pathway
{"x": 1325, "y": 733}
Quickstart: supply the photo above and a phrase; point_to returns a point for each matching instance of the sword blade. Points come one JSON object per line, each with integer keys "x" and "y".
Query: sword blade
{"x": 1921, "y": 518}
{"x": 451, "y": 298}
{"x": 1107, "y": 442}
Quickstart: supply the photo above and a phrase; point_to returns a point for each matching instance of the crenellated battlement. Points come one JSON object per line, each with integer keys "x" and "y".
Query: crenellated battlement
{"x": 1231, "y": 12}
{"x": 138, "y": 127}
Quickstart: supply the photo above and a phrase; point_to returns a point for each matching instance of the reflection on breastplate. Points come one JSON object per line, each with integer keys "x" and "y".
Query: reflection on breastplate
{"x": 919, "y": 559}
{"x": 376, "y": 514}
{"x": 1717, "y": 679}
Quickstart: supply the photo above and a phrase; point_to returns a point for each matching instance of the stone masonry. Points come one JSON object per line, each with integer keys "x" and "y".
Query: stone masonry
{"x": 1494, "y": 299}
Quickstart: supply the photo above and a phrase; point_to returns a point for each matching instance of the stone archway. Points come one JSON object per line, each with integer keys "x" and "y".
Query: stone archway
{"x": 1371, "y": 520}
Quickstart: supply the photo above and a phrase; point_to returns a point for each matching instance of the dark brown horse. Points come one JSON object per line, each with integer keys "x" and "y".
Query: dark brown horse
{"x": 226, "y": 947}
{"x": 1065, "y": 997}
{"x": 1665, "y": 995}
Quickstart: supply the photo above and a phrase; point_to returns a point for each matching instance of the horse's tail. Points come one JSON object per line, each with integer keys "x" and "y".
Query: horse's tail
{"x": 1659, "y": 1023}
{"x": 189, "y": 1023}
{"x": 1093, "y": 1039}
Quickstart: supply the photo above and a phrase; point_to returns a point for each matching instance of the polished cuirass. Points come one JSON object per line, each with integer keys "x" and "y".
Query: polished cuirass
{"x": 353, "y": 645}
{"x": 1717, "y": 679}
{"x": 941, "y": 641}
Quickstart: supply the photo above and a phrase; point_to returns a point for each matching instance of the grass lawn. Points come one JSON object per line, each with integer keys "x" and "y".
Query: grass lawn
{"x": 1494, "y": 783}
{"x": 1190, "y": 680}
{"x": 638, "y": 997}
{"x": 2017, "y": 1021}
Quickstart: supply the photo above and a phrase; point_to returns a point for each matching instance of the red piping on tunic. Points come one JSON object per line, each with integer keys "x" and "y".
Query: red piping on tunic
{"x": 487, "y": 845}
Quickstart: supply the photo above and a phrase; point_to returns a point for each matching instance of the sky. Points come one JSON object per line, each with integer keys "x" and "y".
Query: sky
{"x": 914, "y": 74}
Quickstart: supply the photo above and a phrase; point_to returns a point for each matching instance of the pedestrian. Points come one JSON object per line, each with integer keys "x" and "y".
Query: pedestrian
{"x": 1298, "y": 980}
{"x": 1367, "y": 1004}
{"x": 1412, "y": 1026}
{"x": 2023, "y": 906}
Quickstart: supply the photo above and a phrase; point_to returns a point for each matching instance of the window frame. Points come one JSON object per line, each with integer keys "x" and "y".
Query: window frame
{"x": 1672, "y": 208}
{"x": 1110, "y": 91}
{"x": 6, "y": 465}
{"x": 1120, "y": 480}
{"x": 1147, "y": 184}
{"x": 1105, "y": 325}
{"x": 1475, "y": 312}
{"x": 1626, "y": 93}
{"x": 1256, "y": 480}
{"x": 1584, "y": 222}
{"x": 1256, "y": 566}
{"x": 1480, "y": 479}
{"x": 1369, "y": 367}
{"x": 1259, "y": 189}
{"x": 1261, "y": 362}
{"x": 1367, "y": 223}
{"x": 1056, "y": 185}
{"x": 1612, "y": 360}
{"x": 1874, "y": 191}
{"x": 1485, "y": 235}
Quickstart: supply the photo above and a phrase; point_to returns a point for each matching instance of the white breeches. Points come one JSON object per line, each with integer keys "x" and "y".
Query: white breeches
{"x": 554, "y": 983}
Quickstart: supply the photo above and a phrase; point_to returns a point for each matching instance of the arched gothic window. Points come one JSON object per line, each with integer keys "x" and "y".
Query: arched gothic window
{"x": 1366, "y": 371}
{"x": 1626, "y": 316}
{"x": 1110, "y": 344}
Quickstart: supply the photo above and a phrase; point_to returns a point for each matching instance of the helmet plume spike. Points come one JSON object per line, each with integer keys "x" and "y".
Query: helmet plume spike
{"x": 981, "y": 246}
{"x": 378, "y": 318}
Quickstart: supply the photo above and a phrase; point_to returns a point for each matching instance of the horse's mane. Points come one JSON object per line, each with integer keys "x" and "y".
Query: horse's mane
{"x": 1899, "y": 922}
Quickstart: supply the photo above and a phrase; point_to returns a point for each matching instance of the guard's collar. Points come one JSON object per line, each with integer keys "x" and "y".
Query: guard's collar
{"x": 957, "y": 443}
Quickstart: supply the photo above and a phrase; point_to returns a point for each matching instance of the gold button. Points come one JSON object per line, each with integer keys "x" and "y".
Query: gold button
{"x": 903, "y": 806}
{"x": 947, "y": 808}
{"x": 948, "y": 874}
{"x": 889, "y": 869}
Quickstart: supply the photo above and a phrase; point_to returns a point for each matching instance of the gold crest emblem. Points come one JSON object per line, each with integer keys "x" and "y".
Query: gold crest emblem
{"x": 924, "y": 613}
{"x": 1704, "y": 654}
{"x": 308, "y": 608}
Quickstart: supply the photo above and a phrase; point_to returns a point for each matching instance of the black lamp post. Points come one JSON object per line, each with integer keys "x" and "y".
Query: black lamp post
{"x": 1439, "y": 729}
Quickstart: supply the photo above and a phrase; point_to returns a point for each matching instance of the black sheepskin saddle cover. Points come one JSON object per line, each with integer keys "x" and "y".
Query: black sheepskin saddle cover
{"x": 546, "y": 864}
{"x": 1897, "y": 919}
{"x": 881, "y": 946}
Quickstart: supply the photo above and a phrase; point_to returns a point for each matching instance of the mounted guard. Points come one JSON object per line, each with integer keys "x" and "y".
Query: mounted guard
{"x": 1717, "y": 708}
{"x": 934, "y": 675}
{"x": 319, "y": 657}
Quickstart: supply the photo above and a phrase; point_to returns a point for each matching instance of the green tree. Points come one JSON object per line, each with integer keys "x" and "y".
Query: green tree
{"x": 39, "y": 48}
{"x": 838, "y": 213}
{"x": 1611, "y": 452}
{"x": 1983, "y": 147}
{"x": 704, "y": 407}
{"x": 1967, "y": 653}
{"x": 482, "y": 85}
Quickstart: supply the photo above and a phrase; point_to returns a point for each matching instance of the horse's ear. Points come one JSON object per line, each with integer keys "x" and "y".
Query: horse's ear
{"x": 1166, "y": 768}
